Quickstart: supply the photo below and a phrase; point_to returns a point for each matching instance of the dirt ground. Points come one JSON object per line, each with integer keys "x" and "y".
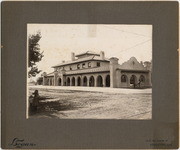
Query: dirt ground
{"x": 93, "y": 103}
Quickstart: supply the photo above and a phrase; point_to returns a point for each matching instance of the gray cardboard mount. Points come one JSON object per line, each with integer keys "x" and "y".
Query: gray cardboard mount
{"x": 68, "y": 133}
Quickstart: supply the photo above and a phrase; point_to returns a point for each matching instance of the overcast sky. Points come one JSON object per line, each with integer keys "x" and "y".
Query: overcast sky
{"x": 121, "y": 41}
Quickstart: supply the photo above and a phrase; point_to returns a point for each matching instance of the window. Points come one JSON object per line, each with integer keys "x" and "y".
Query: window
{"x": 83, "y": 65}
{"x": 98, "y": 64}
{"x": 123, "y": 78}
{"x": 70, "y": 68}
{"x": 78, "y": 66}
{"x": 142, "y": 78}
{"x": 89, "y": 64}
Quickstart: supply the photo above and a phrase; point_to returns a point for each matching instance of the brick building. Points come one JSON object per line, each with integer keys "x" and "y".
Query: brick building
{"x": 94, "y": 70}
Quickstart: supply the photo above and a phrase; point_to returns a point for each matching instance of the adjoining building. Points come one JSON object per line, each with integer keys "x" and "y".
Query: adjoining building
{"x": 94, "y": 70}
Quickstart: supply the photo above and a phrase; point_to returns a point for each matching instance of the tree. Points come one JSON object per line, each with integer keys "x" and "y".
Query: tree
{"x": 35, "y": 55}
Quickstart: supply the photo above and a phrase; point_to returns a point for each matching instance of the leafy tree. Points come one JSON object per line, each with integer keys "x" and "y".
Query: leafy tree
{"x": 35, "y": 55}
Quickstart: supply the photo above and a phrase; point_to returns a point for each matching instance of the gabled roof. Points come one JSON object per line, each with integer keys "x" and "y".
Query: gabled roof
{"x": 88, "y": 58}
{"x": 132, "y": 64}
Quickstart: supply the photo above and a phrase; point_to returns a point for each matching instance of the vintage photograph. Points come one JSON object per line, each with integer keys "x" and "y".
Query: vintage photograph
{"x": 89, "y": 71}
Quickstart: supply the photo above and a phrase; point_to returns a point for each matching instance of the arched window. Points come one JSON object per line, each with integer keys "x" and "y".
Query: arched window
{"x": 123, "y": 78}
{"x": 68, "y": 81}
{"x": 142, "y": 78}
{"x": 73, "y": 81}
{"x": 133, "y": 79}
{"x": 99, "y": 81}
{"x": 91, "y": 81}
{"x": 78, "y": 81}
{"x": 59, "y": 81}
{"x": 89, "y": 64}
{"x": 85, "y": 81}
{"x": 108, "y": 81}
{"x": 78, "y": 66}
{"x": 83, "y": 65}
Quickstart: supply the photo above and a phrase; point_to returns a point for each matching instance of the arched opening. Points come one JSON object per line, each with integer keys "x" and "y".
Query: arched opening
{"x": 79, "y": 81}
{"x": 85, "y": 81}
{"x": 73, "y": 81}
{"x": 47, "y": 83}
{"x": 108, "y": 81}
{"x": 50, "y": 82}
{"x": 99, "y": 81}
{"x": 59, "y": 81}
{"x": 91, "y": 81}
{"x": 68, "y": 81}
{"x": 123, "y": 78}
{"x": 133, "y": 80}
{"x": 142, "y": 79}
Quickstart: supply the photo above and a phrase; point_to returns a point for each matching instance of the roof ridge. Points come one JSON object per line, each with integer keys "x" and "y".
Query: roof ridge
{"x": 80, "y": 60}
{"x": 93, "y": 56}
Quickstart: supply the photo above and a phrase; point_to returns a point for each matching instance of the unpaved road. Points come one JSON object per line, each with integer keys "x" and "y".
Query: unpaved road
{"x": 93, "y": 103}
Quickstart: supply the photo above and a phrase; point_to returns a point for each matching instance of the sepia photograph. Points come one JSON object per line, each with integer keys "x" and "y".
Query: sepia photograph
{"x": 89, "y": 71}
{"x": 90, "y": 75}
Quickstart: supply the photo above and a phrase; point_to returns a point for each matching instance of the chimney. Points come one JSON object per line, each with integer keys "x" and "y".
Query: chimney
{"x": 72, "y": 56}
{"x": 102, "y": 55}
{"x": 147, "y": 65}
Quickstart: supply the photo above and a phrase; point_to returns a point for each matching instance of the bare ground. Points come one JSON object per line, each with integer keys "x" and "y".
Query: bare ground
{"x": 93, "y": 103}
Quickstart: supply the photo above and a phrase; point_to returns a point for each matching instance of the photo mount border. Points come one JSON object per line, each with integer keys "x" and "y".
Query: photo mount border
{"x": 69, "y": 133}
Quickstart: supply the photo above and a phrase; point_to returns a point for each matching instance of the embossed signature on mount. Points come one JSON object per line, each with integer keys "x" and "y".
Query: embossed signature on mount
{"x": 21, "y": 143}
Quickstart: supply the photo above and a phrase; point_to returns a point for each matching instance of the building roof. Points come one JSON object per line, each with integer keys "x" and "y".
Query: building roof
{"x": 88, "y": 53}
{"x": 89, "y": 70}
{"x": 132, "y": 64}
{"x": 50, "y": 74}
{"x": 88, "y": 58}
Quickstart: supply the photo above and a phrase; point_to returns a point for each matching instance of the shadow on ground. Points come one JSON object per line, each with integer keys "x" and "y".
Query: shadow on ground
{"x": 50, "y": 108}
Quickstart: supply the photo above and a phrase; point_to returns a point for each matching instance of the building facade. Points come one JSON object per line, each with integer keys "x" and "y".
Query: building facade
{"x": 94, "y": 70}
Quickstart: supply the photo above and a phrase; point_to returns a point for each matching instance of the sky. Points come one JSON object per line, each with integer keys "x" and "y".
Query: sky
{"x": 121, "y": 41}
